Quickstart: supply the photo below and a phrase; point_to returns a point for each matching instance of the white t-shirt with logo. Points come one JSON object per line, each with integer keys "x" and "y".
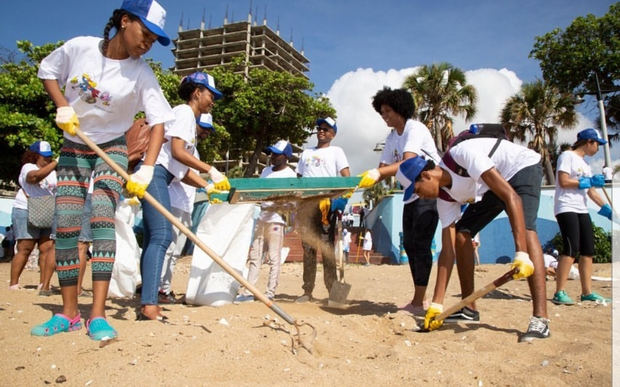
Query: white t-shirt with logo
{"x": 105, "y": 93}
{"x": 571, "y": 199}
{"x": 183, "y": 127}
{"x": 416, "y": 138}
{"x": 266, "y": 215}
{"x": 47, "y": 186}
{"x": 508, "y": 159}
{"x": 322, "y": 162}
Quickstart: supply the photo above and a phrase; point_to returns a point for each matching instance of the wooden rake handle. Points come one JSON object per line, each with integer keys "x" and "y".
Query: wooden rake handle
{"x": 506, "y": 277}
{"x": 161, "y": 209}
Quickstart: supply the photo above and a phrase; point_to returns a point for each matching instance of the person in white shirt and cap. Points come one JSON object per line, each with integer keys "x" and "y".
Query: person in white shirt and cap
{"x": 269, "y": 231}
{"x": 324, "y": 160}
{"x": 182, "y": 197}
{"x": 98, "y": 86}
{"x": 575, "y": 183}
{"x": 492, "y": 175}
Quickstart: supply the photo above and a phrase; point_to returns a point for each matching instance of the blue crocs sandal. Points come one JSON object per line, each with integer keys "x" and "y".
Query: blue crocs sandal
{"x": 99, "y": 329}
{"x": 58, "y": 323}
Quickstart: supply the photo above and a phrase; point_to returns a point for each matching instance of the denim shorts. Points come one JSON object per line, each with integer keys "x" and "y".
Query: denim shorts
{"x": 23, "y": 230}
{"x": 526, "y": 184}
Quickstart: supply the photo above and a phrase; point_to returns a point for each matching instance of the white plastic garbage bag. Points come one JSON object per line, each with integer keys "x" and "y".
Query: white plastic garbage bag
{"x": 126, "y": 272}
{"x": 227, "y": 230}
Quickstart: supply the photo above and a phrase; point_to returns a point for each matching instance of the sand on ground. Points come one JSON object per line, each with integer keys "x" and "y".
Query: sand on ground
{"x": 370, "y": 343}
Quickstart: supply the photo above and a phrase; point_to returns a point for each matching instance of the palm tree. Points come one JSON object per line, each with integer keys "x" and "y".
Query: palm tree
{"x": 535, "y": 113}
{"x": 440, "y": 92}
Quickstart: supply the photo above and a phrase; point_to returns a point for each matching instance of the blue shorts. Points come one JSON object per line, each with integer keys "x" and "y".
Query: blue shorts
{"x": 23, "y": 230}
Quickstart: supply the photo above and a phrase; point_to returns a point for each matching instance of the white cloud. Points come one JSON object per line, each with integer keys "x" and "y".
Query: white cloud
{"x": 360, "y": 128}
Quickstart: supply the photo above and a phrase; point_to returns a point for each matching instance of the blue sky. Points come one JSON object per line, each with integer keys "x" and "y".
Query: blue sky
{"x": 355, "y": 47}
{"x": 339, "y": 36}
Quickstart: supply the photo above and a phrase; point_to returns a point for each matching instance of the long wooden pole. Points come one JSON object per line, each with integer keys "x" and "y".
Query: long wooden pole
{"x": 188, "y": 232}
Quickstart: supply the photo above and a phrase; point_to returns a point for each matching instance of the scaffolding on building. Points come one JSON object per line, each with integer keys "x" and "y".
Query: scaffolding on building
{"x": 203, "y": 49}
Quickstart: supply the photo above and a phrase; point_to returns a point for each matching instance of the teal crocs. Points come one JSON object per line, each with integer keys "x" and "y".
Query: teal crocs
{"x": 99, "y": 329}
{"x": 561, "y": 298}
{"x": 58, "y": 323}
{"x": 594, "y": 297}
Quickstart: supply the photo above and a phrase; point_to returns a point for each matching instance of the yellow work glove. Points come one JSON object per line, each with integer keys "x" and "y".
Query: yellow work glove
{"x": 347, "y": 195}
{"x": 67, "y": 120}
{"x": 139, "y": 181}
{"x": 524, "y": 264}
{"x": 210, "y": 190}
{"x": 220, "y": 181}
{"x": 324, "y": 206}
{"x": 133, "y": 201}
{"x": 429, "y": 320}
{"x": 369, "y": 178}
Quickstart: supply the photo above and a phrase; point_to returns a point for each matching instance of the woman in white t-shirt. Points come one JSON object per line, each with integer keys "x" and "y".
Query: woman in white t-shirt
{"x": 106, "y": 83}
{"x": 36, "y": 178}
{"x": 575, "y": 184}
{"x": 408, "y": 138}
{"x": 175, "y": 160}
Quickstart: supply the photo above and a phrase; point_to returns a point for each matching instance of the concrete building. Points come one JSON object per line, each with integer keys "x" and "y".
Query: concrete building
{"x": 202, "y": 49}
{"x": 205, "y": 48}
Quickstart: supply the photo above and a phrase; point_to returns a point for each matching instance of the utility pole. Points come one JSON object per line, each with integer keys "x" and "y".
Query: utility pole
{"x": 601, "y": 107}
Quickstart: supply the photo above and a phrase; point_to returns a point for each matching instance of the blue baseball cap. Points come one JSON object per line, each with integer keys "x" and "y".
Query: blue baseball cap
{"x": 205, "y": 80}
{"x": 42, "y": 147}
{"x": 151, "y": 14}
{"x": 408, "y": 172}
{"x": 281, "y": 147}
{"x": 590, "y": 134}
{"x": 205, "y": 121}
{"x": 329, "y": 121}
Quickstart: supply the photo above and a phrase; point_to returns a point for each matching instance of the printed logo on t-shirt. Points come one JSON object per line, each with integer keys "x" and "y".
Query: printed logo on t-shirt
{"x": 87, "y": 89}
{"x": 580, "y": 172}
{"x": 314, "y": 161}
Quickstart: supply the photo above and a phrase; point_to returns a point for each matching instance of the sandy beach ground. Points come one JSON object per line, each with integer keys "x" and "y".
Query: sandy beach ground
{"x": 370, "y": 343}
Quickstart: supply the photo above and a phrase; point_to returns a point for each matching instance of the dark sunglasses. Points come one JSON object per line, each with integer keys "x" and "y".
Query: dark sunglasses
{"x": 321, "y": 129}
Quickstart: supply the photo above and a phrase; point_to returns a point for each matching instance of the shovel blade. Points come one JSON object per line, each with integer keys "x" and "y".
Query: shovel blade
{"x": 338, "y": 295}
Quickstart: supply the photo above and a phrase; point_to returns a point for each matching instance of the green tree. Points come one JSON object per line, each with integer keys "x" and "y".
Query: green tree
{"x": 571, "y": 59}
{"x": 26, "y": 112}
{"x": 535, "y": 113}
{"x": 440, "y": 91}
{"x": 265, "y": 107}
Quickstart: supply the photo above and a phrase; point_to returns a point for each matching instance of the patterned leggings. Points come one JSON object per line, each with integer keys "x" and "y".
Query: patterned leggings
{"x": 75, "y": 165}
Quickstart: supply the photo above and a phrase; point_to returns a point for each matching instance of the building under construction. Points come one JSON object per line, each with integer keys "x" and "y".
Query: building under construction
{"x": 205, "y": 48}
{"x": 202, "y": 49}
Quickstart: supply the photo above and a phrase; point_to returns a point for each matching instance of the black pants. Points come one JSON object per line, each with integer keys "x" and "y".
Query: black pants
{"x": 419, "y": 224}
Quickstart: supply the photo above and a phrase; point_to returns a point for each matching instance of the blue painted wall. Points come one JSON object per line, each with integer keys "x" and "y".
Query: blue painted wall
{"x": 495, "y": 240}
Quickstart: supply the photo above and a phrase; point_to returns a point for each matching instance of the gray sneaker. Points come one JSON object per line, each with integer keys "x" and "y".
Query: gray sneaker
{"x": 538, "y": 329}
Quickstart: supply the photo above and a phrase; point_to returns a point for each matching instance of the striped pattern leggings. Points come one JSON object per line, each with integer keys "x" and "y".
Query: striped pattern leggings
{"x": 75, "y": 165}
